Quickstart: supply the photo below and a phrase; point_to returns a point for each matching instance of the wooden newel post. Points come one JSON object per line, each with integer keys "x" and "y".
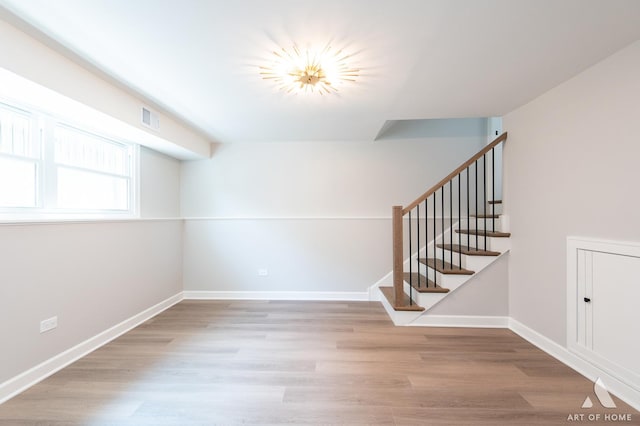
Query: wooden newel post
{"x": 398, "y": 272}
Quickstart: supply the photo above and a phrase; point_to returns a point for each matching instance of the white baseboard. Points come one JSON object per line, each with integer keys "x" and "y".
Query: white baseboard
{"x": 277, "y": 295}
{"x": 461, "y": 321}
{"x": 23, "y": 381}
{"x": 590, "y": 371}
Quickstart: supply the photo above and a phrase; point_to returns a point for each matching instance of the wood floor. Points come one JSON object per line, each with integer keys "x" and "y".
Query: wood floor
{"x": 257, "y": 362}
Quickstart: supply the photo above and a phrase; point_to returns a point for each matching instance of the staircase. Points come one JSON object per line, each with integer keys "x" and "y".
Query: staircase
{"x": 443, "y": 239}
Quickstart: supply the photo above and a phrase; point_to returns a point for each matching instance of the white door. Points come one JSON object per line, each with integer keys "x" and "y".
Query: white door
{"x": 605, "y": 303}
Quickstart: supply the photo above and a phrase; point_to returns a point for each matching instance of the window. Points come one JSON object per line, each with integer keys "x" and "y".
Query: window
{"x": 51, "y": 168}
{"x": 92, "y": 172}
{"x": 19, "y": 160}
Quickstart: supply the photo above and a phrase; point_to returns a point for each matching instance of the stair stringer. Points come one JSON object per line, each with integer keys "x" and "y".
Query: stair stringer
{"x": 451, "y": 282}
{"x": 423, "y": 318}
{"x": 385, "y": 281}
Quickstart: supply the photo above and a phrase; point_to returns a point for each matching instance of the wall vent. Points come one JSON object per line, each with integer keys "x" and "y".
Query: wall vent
{"x": 150, "y": 119}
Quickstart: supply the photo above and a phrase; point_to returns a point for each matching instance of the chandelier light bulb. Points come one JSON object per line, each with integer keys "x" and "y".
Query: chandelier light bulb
{"x": 309, "y": 71}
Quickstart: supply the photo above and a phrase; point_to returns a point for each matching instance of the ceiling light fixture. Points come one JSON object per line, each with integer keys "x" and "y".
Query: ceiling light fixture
{"x": 309, "y": 71}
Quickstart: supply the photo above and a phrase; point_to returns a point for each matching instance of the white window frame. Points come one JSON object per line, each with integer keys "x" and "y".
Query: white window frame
{"x": 8, "y": 108}
{"x": 43, "y": 127}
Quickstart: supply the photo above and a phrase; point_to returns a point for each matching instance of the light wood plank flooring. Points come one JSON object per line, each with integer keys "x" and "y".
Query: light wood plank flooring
{"x": 258, "y": 362}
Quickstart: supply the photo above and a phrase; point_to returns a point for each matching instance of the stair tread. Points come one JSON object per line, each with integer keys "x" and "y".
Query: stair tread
{"x": 421, "y": 284}
{"x": 389, "y": 294}
{"x": 495, "y": 202}
{"x": 486, "y": 216}
{"x": 494, "y": 234}
{"x": 447, "y": 268}
{"x": 468, "y": 251}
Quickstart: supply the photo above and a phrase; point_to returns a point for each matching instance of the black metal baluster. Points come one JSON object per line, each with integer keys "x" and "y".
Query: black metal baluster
{"x": 410, "y": 264}
{"x": 459, "y": 220}
{"x": 442, "y": 222}
{"x": 468, "y": 216}
{"x": 476, "y": 211}
{"x": 426, "y": 238}
{"x": 451, "y": 220}
{"x": 493, "y": 190}
{"x": 484, "y": 197}
{"x": 435, "y": 276}
{"x": 418, "y": 235}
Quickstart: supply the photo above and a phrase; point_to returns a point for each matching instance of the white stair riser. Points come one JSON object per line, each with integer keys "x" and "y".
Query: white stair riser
{"x": 489, "y": 209}
{"x": 449, "y": 281}
{"x": 483, "y": 223}
{"x": 499, "y": 244}
{"x": 399, "y": 317}
{"x": 473, "y": 263}
{"x": 428, "y": 300}
{"x": 476, "y": 263}
{"x": 497, "y": 208}
{"x": 452, "y": 281}
{"x": 425, "y": 300}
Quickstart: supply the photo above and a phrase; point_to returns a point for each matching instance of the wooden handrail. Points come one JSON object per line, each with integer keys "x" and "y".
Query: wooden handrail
{"x": 451, "y": 175}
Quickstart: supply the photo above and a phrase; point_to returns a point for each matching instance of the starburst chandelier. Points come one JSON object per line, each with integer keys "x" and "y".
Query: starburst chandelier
{"x": 321, "y": 71}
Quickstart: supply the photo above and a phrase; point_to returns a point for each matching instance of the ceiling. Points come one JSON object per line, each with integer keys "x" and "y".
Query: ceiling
{"x": 419, "y": 59}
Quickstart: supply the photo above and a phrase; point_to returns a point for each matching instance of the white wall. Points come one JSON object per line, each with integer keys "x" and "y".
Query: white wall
{"x": 346, "y": 179}
{"x": 91, "y": 275}
{"x": 320, "y": 212}
{"x": 159, "y": 185}
{"x": 571, "y": 168}
{"x": 334, "y": 255}
{"x": 486, "y": 295}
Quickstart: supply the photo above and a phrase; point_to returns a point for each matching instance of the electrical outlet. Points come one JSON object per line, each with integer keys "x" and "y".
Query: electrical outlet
{"x": 48, "y": 324}
{"x": 263, "y": 272}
